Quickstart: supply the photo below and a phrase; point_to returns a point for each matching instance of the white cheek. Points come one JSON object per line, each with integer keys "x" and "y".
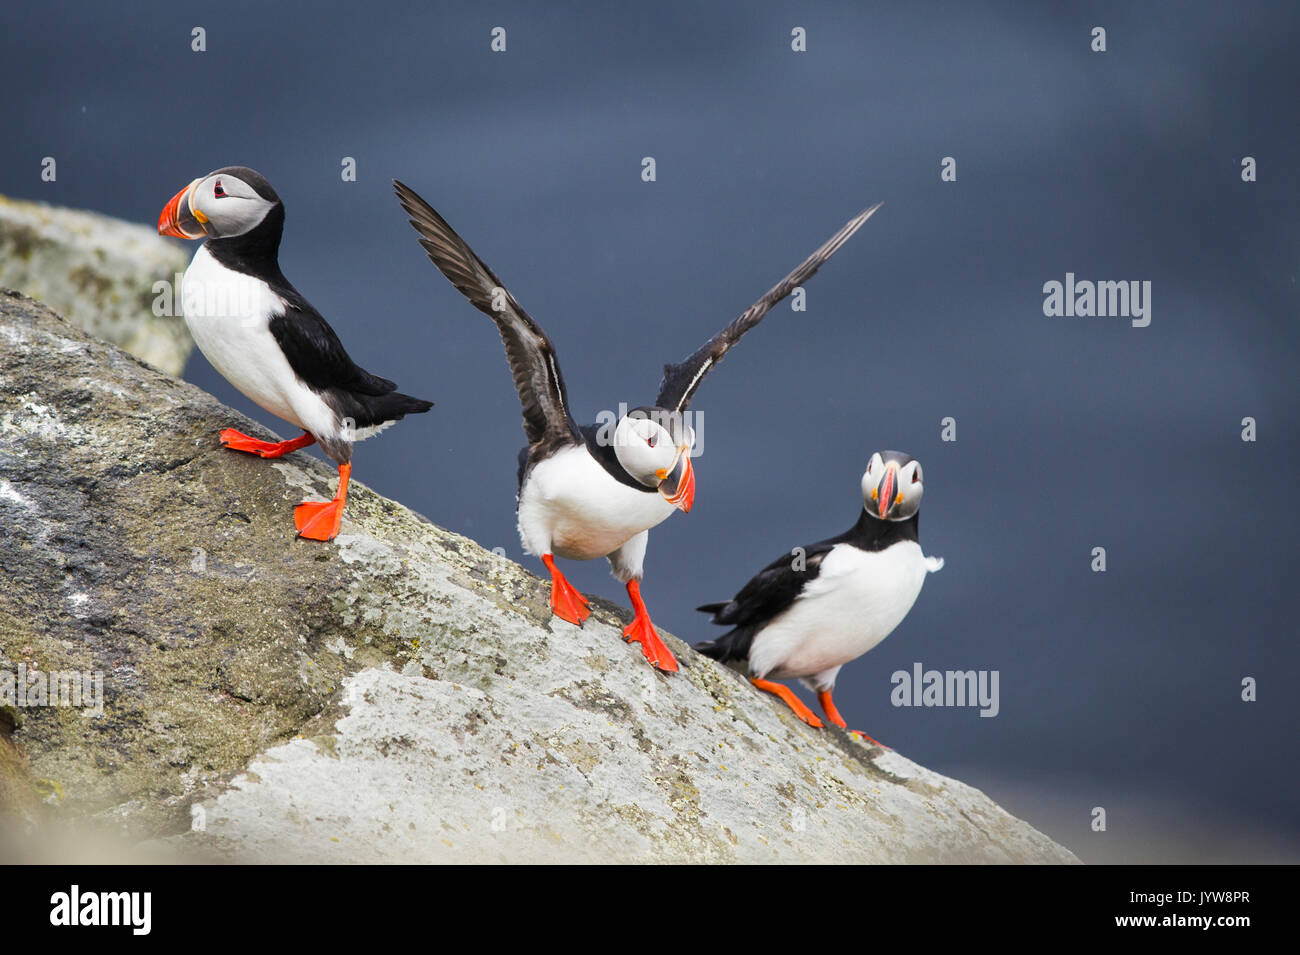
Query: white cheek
{"x": 647, "y": 460}
{"x": 664, "y": 457}
{"x": 632, "y": 457}
{"x": 650, "y": 460}
{"x": 238, "y": 215}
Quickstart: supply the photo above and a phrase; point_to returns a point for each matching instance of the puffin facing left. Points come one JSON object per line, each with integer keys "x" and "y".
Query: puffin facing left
{"x": 266, "y": 339}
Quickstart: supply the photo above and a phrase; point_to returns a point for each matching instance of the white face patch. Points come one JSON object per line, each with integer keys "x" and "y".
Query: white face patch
{"x": 226, "y": 205}
{"x": 644, "y": 447}
{"x": 908, "y": 487}
{"x": 911, "y": 486}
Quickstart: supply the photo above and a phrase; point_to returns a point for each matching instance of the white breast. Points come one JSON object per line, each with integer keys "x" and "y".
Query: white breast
{"x": 856, "y": 600}
{"x": 228, "y": 313}
{"x": 572, "y": 507}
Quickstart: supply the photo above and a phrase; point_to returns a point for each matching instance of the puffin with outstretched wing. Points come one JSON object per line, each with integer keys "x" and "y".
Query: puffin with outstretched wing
{"x": 595, "y": 491}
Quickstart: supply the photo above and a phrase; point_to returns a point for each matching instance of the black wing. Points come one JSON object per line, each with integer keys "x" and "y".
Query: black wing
{"x": 315, "y": 353}
{"x": 536, "y": 371}
{"x": 680, "y": 381}
{"x": 773, "y": 588}
{"x": 776, "y": 586}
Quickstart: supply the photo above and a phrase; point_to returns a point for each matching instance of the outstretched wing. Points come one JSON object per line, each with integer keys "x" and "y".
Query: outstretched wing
{"x": 533, "y": 364}
{"x": 680, "y": 381}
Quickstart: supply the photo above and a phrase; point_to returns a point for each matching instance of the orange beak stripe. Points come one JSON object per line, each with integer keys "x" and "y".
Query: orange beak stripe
{"x": 886, "y": 493}
{"x": 685, "y": 495}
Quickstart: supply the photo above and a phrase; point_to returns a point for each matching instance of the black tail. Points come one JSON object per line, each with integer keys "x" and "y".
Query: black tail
{"x": 732, "y": 645}
{"x": 390, "y": 407}
{"x": 405, "y": 404}
{"x": 712, "y": 608}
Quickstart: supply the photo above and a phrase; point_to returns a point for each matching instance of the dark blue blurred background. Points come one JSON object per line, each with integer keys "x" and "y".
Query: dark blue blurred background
{"x": 1120, "y": 689}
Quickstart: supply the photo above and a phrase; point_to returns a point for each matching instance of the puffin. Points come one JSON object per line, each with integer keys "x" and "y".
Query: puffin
{"x": 819, "y": 606}
{"x": 259, "y": 332}
{"x": 595, "y": 491}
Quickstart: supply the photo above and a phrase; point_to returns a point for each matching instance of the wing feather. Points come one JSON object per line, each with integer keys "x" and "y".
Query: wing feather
{"x": 681, "y": 380}
{"x": 772, "y": 589}
{"x": 533, "y": 364}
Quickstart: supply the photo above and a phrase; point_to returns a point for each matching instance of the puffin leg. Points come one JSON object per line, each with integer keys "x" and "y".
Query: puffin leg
{"x": 566, "y": 602}
{"x": 320, "y": 520}
{"x": 237, "y": 441}
{"x": 642, "y": 631}
{"x": 787, "y": 696}
{"x": 828, "y": 707}
{"x": 832, "y": 714}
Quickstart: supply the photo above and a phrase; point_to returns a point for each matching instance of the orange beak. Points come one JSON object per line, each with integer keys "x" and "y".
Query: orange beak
{"x": 178, "y": 219}
{"x": 678, "y": 488}
{"x": 886, "y": 499}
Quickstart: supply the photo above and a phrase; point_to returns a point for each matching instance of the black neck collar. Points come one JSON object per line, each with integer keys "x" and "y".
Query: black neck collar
{"x": 257, "y": 251}
{"x": 871, "y": 533}
{"x": 601, "y": 447}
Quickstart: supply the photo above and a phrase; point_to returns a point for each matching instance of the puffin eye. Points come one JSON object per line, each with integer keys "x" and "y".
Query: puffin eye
{"x": 916, "y": 476}
{"x": 217, "y": 191}
{"x": 652, "y": 440}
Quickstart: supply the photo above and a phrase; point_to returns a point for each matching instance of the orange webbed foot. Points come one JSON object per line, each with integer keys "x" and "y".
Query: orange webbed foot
{"x": 238, "y": 441}
{"x": 320, "y": 520}
{"x": 642, "y": 631}
{"x": 566, "y": 602}
{"x": 787, "y": 696}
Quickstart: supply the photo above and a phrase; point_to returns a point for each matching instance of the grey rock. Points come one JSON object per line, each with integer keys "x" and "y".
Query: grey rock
{"x": 99, "y": 272}
{"x": 402, "y": 694}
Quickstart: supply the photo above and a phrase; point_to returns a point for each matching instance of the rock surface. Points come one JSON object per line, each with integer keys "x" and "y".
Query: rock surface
{"x": 99, "y": 272}
{"x": 400, "y": 694}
